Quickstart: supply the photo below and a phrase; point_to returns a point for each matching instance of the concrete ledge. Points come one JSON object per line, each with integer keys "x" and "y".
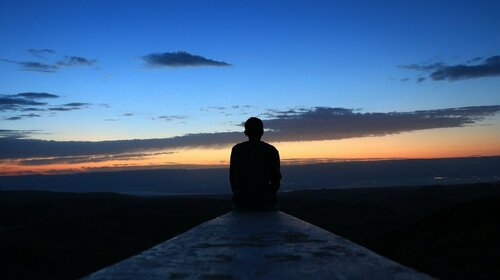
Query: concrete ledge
{"x": 271, "y": 245}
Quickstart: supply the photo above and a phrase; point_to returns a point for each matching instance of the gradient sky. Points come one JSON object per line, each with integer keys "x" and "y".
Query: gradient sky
{"x": 331, "y": 79}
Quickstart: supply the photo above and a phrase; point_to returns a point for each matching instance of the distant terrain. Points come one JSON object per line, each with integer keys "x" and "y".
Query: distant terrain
{"x": 48, "y": 235}
{"x": 411, "y": 172}
{"x": 450, "y": 232}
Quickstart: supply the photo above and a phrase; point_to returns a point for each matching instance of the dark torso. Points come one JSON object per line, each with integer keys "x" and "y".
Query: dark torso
{"x": 254, "y": 173}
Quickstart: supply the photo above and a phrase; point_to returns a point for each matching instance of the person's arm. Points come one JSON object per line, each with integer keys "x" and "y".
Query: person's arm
{"x": 232, "y": 170}
{"x": 276, "y": 174}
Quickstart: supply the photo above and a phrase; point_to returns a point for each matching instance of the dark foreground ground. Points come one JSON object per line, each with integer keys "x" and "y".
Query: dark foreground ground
{"x": 450, "y": 232}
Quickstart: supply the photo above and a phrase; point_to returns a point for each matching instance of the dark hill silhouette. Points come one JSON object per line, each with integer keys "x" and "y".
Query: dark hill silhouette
{"x": 463, "y": 235}
{"x": 46, "y": 235}
{"x": 450, "y": 232}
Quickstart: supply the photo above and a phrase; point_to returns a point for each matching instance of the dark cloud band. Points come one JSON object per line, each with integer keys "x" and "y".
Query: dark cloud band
{"x": 180, "y": 59}
{"x": 489, "y": 67}
{"x": 323, "y": 123}
{"x": 304, "y": 124}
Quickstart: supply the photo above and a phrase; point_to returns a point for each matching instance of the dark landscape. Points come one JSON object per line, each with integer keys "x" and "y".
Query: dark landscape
{"x": 382, "y": 173}
{"x": 449, "y": 232}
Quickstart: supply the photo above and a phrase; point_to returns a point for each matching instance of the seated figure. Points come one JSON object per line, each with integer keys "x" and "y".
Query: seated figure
{"x": 254, "y": 172}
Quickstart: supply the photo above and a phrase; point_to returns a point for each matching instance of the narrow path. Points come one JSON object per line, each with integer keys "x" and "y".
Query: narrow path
{"x": 271, "y": 245}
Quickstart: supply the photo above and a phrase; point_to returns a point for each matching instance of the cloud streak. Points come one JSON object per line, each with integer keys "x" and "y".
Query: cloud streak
{"x": 37, "y": 95}
{"x": 14, "y": 102}
{"x": 41, "y": 52}
{"x": 180, "y": 59}
{"x": 302, "y": 124}
{"x": 489, "y": 67}
{"x": 32, "y": 102}
{"x": 67, "y": 61}
{"x": 16, "y": 134}
{"x": 70, "y": 106}
{"x": 20, "y": 117}
{"x": 33, "y": 66}
{"x": 76, "y": 61}
{"x": 88, "y": 159}
{"x": 170, "y": 118}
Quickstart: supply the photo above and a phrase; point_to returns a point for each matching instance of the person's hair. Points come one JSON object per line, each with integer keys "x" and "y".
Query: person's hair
{"x": 254, "y": 128}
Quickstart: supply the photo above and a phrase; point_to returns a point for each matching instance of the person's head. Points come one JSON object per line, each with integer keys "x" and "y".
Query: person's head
{"x": 254, "y": 128}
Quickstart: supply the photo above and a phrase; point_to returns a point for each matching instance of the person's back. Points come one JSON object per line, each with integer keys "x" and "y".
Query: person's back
{"x": 254, "y": 171}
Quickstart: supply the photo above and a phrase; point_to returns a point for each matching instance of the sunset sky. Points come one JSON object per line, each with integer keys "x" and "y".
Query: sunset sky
{"x": 99, "y": 85}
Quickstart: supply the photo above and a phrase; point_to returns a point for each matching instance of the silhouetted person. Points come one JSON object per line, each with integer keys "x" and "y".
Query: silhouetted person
{"x": 255, "y": 171}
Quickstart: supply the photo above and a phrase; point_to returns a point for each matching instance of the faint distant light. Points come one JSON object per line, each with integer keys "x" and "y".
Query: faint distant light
{"x": 439, "y": 178}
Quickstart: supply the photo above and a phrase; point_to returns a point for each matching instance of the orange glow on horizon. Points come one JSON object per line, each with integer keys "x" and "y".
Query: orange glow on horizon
{"x": 434, "y": 143}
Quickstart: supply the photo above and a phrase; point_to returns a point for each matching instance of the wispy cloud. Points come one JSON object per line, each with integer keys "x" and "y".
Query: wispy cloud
{"x": 62, "y": 109}
{"x": 14, "y": 102}
{"x": 76, "y": 61}
{"x": 41, "y": 53}
{"x": 76, "y": 104}
{"x": 37, "y": 95}
{"x": 170, "y": 118}
{"x": 32, "y": 109}
{"x": 300, "y": 124}
{"x": 231, "y": 110}
{"x": 16, "y": 118}
{"x": 30, "y": 116}
{"x": 423, "y": 67}
{"x": 16, "y": 134}
{"x": 33, "y": 66}
{"x": 20, "y": 117}
{"x": 474, "y": 60}
{"x": 180, "y": 59}
{"x": 489, "y": 67}
{"x": 66, "y": 61}
{"x": 70, "y": 106}
{"x": 280, "y": 114}
{"x": 30, "y": 102}
{"x": 88, "y": 159}
{"x": 225, "y": 108}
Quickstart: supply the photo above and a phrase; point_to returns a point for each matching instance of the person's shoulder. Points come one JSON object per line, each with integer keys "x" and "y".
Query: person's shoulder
{"x": 269, "y": 146}
{"x": 239, "y": 146}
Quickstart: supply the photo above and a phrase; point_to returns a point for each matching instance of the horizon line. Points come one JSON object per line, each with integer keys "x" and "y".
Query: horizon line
{"x": 284, "y": 162}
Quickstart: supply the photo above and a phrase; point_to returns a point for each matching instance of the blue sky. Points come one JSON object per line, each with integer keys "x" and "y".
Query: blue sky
{"x": 283, "y": 55}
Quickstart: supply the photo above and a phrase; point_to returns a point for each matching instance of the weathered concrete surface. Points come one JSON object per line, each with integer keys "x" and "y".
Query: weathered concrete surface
{"x": 270, "y": 245}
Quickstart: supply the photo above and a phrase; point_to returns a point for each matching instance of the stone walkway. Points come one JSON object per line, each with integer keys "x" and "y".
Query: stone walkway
{"x": 271, "y": 245}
